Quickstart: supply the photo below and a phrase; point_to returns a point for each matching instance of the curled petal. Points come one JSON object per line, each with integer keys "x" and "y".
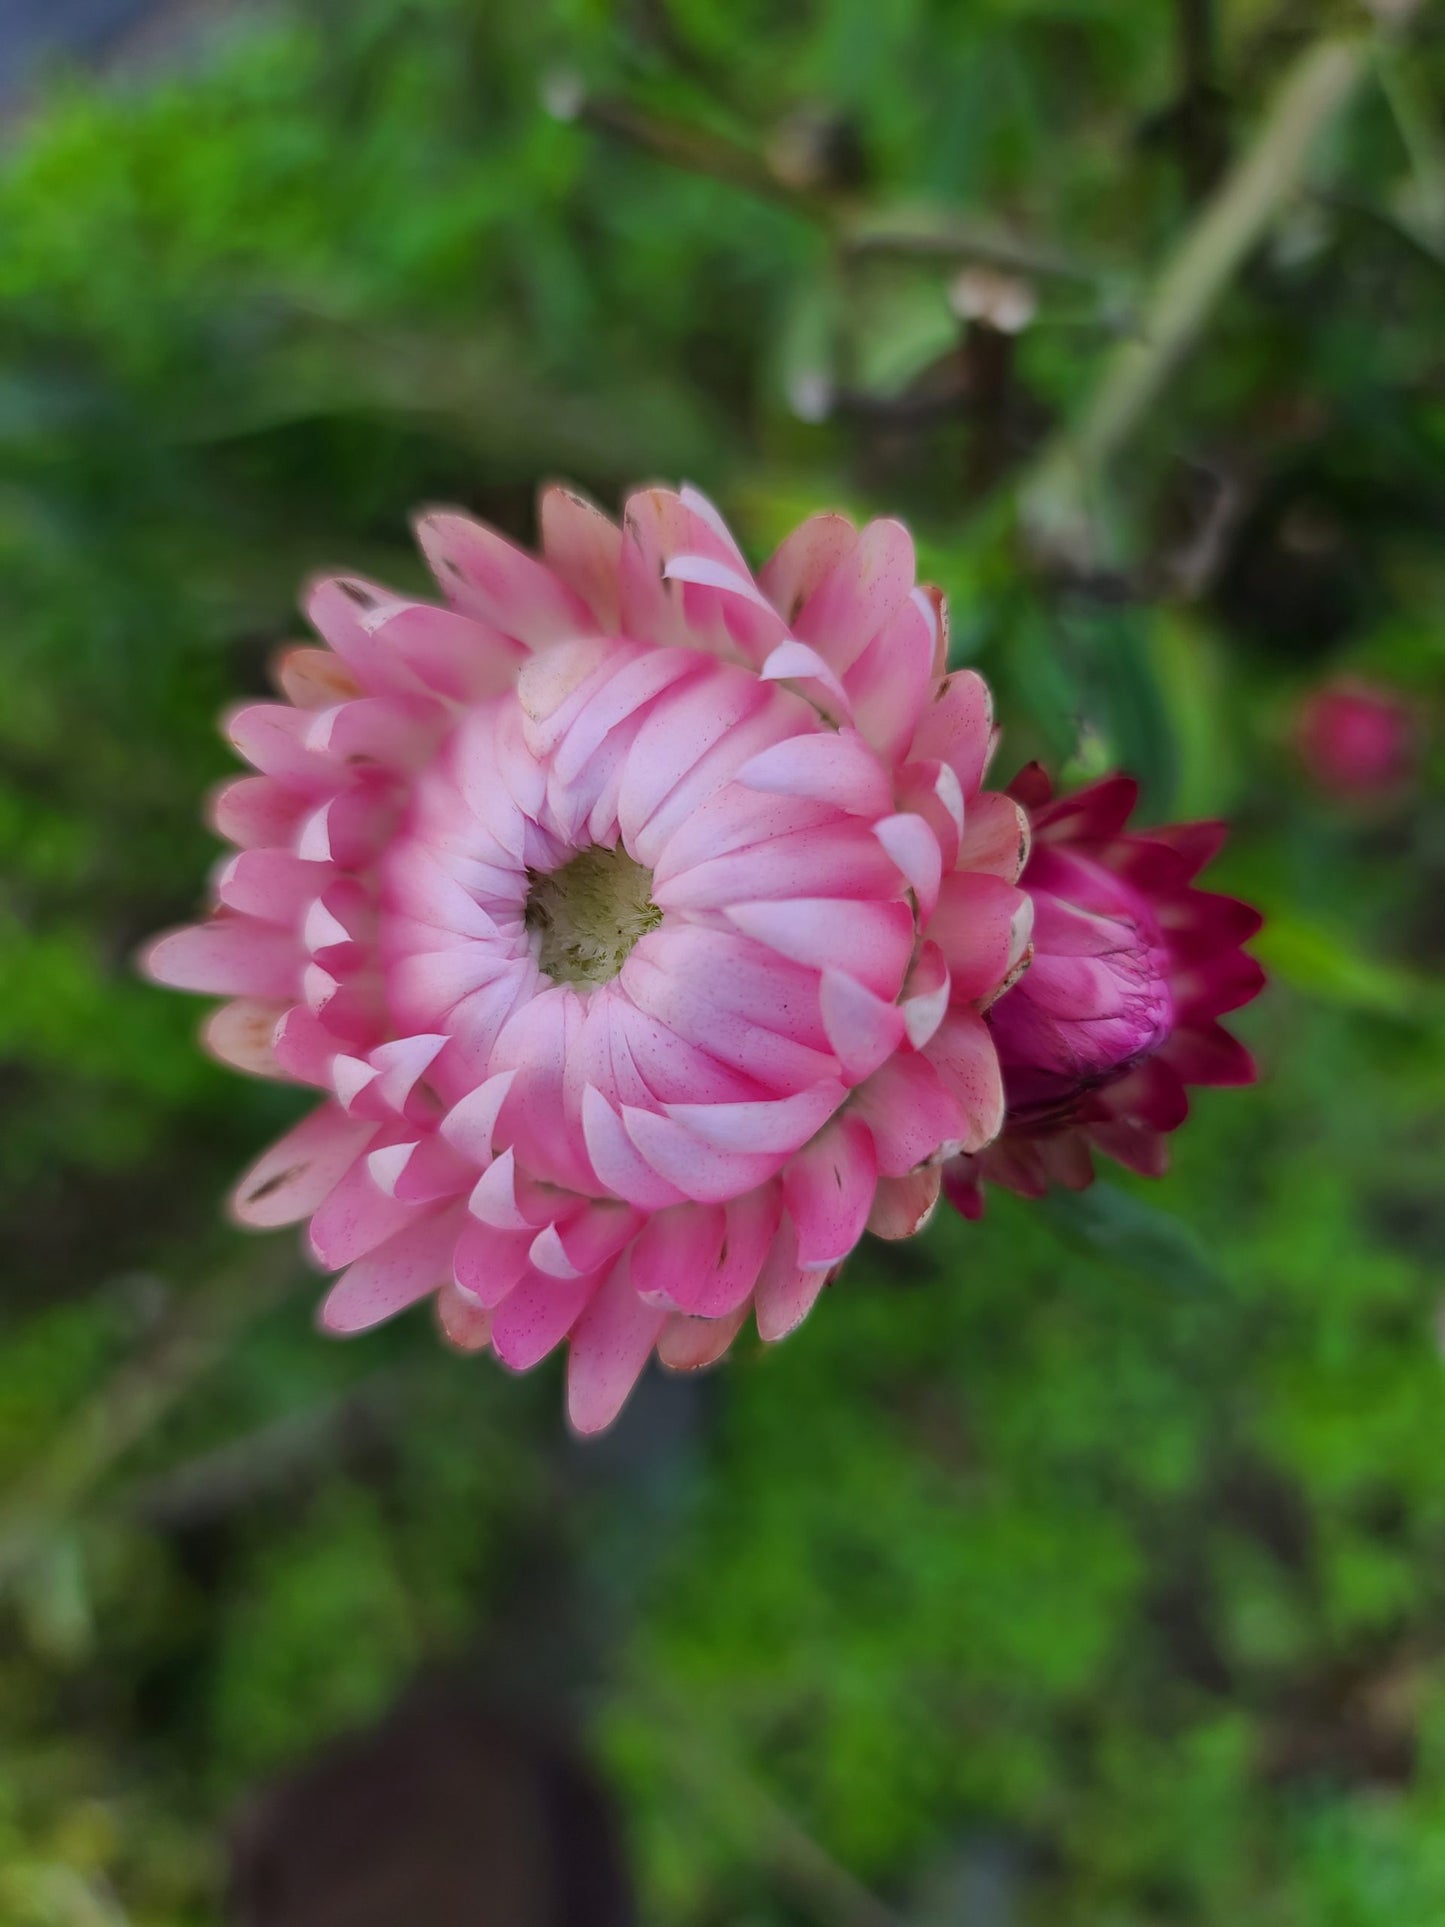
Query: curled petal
{"x": 903, "y": 1206}
{"x": 691, "y": 1344}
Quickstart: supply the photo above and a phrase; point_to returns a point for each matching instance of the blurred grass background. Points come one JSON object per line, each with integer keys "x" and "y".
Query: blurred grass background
{"x": 1086, "y": 1566}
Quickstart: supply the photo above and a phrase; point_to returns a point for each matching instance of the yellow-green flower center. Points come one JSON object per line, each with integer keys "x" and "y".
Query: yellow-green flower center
{"x": 589, "y": 914}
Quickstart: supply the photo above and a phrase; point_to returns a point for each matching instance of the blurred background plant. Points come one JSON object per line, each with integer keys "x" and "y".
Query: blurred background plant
{"x": 1082, "y": 1566}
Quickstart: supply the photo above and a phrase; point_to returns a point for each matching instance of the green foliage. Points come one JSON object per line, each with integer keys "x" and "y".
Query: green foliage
{"x": 1087, "y": 1557}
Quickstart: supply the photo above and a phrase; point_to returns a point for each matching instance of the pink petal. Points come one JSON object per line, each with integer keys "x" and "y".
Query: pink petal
{"x": 1136, "y": 1146}
{"x": 925, "y": 995}
{"x": 815, "y": 549}
{"x": 228, "y": 956}
{"x": 957, "y": 729}
{"x": 1207, "y": 1054}
{"x": 675, "y": 1253}
{"x": 963, "y": 1186}
{"x": 891, "y": 682}
{"x": 1097, "y": 812}
{"x": 583, "y": 548}
{"x": 469, "y": 1125}
{"x": 828, "y": 1192}
{"x": 786, "y": 1292}
{"x": 962, "y": 1052}
{"x": 485, "y": 575}
{"x": 670, "y": 777}
{"x": 699, "y": 1170}
{"x": 656, "y": 524}
{"x": 751, "y": 1226}
{"x": 408, "y": 1267}
{"x": 303, "y": 1047}
{"x": 242, "y": 1034}
{"x": 692, "y": 1344}
{"x": 615, "y": 1158}
{"x": 859, "y": 595}
{"x": 931, "y": 790}
{"x": 828, "y": 766}
{"x": 914, "y": 848}
{"x": 741, "y": 1003}
{"x": 536, "y": 1315}
{"x": 840, "y": 859}
{"x": 798, "y": 662}
{"x": 272, "y": 738}
{"x": 982, "y": 926}
{"x": 272, "y": 885}
{"x": 634, "y": 685}
{"x": 463, "y": 1326}
{"x": 313, "y": 678}
{"x": 495, "y": 1200}
{"x": 862, "y": 1029}
{"x": 915, "y": 1119}
{"x": 257, "y": 812}
{"x": 609, "y": 1348}
{"x": 487, "y": 1263}
{"x": 348, "y": 830}
{"x": 553, "y": 687}
{"x": 781, "y": 1124}
{"x": 725, "y": 610}
{"x": 995, "y": 836}
{"x": 575, "y": 1247}
{"x": 671, "y": 743}
{"x": 291, "y": 1179}
{"x": 869, "y": 941}
{"x": 355, "y": 1218}
{"x": 393, "y": 735}
{"x": 419, "y": 1172}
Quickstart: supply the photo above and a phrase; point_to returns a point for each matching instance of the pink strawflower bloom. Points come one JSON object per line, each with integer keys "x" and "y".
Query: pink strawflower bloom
{"x": 1358, "y": 740}
{"x": 1117, "y": 1013}
{"x": 635, "y": 916}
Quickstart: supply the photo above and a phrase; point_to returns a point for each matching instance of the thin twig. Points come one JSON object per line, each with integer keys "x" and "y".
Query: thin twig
{"x": 1056, "y": 499}
{"x": 859, "y": 232}
{"x": 955, "y": 238}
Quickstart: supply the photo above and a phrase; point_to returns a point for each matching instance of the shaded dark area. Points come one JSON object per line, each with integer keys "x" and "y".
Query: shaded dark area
{"x": 444, "y": 1813}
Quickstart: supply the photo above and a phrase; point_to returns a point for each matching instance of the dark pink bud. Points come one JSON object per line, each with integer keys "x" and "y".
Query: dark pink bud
{"x": 1095, "y": 1000}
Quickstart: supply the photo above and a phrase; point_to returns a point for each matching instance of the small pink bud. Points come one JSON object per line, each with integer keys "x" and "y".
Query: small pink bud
{"x": 1357, "y": 739}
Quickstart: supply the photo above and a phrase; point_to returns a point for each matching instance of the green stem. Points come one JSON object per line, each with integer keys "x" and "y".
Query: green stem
{"x": 1056, "y": 499}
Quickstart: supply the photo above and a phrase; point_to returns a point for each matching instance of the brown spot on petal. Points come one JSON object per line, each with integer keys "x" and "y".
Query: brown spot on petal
{"x": 272, "y": 1184}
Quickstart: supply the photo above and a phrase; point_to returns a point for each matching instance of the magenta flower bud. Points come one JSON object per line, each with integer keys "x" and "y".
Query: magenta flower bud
{"x": 1095, "y": 1000}
{"x": 1356, "y": 739}
{"x": 1117, "y": 1012}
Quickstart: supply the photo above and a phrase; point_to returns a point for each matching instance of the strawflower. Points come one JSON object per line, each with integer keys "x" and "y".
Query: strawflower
{"x": 633, "y": 919}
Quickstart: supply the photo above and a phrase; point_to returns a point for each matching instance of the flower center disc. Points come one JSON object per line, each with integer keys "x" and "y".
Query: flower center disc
{"x": 589, "y": 914}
